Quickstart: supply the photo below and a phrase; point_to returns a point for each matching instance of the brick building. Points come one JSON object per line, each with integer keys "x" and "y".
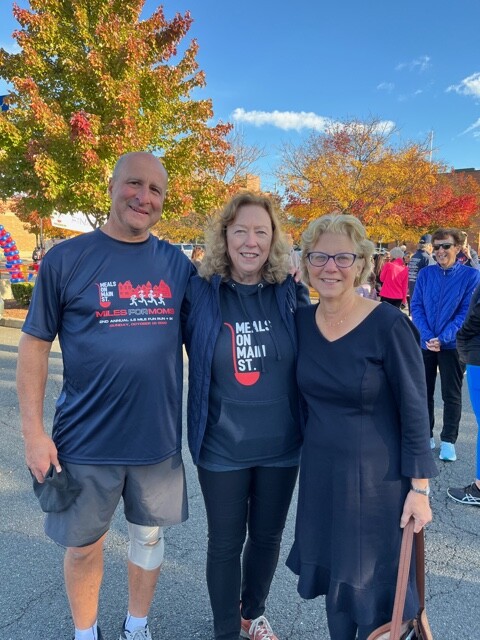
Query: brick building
{"x": 24, "y": 240}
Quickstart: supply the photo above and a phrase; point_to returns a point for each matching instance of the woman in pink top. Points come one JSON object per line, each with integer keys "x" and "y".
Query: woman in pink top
{"x": 394, "y": 277}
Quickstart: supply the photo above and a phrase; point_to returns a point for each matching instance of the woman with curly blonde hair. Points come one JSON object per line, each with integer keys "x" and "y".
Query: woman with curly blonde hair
{"x": 217, "y": 260}
{"x": 243, "y": 407}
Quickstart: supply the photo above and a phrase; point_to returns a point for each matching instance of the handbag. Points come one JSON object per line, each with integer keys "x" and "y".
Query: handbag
{"x": 417, "y": 628}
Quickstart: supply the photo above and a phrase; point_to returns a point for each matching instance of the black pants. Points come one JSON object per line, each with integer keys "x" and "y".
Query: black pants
{"x": 342, "y": 627}
{"x": 256, "y": 499}
{"x": 451, "y": 379}
{"x": 396, "y": 302}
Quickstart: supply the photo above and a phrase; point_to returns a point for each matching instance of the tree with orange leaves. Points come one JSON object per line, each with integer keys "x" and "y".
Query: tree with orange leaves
{"x": 93, "y": 81}
{"x": 395, "y": 190}
{"x": 452, "y": 201}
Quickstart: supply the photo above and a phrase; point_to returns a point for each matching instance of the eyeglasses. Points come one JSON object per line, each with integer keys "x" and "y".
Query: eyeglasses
{"x": 342, "y": 260}
{"x": 443, "y": 245}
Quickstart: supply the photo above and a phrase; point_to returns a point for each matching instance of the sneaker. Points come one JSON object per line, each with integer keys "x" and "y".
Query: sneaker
{"x": 447, "y": 452}
{"x": 140, "y": 633}
{"x": 467, "y": 495}
{"x": 258, "y": 629}
{"x": 432, "y": 443}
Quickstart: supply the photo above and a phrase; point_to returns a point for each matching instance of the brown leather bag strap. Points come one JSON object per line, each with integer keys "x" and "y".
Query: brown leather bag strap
{"x": 420, "y": 566}
{"x": 402, "y": 579}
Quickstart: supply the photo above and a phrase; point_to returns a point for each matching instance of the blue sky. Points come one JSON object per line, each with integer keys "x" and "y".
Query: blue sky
{"x": 280, "y": 70}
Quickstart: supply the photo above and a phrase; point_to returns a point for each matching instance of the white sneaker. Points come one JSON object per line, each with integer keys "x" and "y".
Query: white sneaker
{"x": 140, "y": 633}
{"x": 258, "y": 629}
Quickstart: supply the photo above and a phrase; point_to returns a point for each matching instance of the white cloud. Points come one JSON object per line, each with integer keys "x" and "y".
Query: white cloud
{"x": 285, "y": 120}
{"x": 10, "y": 47}
{"x": 475, "y": 127}
{"x": 288, "y": 120}
{"x": 469, "y": 86}
{"x": 420, "y": 64}
{"x": 382, "y": 127}
{"x": 386, "y": 86}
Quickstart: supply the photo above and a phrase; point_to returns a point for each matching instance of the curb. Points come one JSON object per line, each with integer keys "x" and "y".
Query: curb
{"x": 11, "y": 323}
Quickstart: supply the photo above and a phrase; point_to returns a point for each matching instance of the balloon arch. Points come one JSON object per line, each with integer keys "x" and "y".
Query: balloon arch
{"x": 12, "y": 256}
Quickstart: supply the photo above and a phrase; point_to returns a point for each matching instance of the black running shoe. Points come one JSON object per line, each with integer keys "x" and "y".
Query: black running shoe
{"x": 467, "y": 495}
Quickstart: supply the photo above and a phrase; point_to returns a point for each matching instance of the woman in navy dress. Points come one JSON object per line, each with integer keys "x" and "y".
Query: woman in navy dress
{"x": 366, "y": 456}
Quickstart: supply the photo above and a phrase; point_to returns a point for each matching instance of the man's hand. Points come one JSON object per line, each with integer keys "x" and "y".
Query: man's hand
{"x": 40, "y": 453}
{"x": 296, "y": 273}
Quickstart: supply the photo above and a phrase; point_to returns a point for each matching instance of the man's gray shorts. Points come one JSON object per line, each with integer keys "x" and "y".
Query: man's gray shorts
{"x": 153, "y": 495}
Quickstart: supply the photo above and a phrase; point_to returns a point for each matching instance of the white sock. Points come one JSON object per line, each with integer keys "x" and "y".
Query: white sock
{"x": 132, "y": 623}
{"x": 87, "y": 634}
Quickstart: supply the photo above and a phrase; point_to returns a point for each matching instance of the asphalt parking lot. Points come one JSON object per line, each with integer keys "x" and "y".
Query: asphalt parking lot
{"x": 32, "y": 599}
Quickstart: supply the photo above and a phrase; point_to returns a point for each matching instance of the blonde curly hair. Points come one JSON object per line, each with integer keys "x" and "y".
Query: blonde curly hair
{"x": 216, "y": 259}
{"x": 344, "y": 224}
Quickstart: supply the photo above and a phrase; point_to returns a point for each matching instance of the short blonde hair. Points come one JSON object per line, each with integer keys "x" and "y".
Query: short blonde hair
{"x": 344, "y": 224}
{"x": 217, "y": 260}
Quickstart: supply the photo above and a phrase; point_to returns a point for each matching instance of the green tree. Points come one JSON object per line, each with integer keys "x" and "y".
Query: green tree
{"x": 93, "y": 81}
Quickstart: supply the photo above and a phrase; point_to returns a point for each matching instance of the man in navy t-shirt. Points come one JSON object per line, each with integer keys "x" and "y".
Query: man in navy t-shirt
{"x": 420, "y": 259}
{"x": 113, "y": 297}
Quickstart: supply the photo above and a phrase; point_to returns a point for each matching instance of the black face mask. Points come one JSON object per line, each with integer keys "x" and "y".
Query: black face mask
{"x": 57, "y": 492}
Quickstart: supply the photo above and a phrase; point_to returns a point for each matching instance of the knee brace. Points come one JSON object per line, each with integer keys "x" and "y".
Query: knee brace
{"x": 146, "y": 546}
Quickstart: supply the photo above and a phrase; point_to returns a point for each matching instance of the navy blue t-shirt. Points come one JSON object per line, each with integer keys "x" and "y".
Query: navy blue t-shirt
{"x": 115, "y": 307}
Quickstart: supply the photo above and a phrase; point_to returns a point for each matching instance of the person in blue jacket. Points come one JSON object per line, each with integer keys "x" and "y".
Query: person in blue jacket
{"x": 439, "y": 306}
{"x": 244, "y": 420}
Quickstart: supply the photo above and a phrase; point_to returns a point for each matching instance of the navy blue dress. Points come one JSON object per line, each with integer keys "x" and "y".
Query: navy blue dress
{"x": 367, "y": 434}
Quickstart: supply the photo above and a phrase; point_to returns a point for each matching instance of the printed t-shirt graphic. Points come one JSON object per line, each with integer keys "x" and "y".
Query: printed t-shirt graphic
{"x": 246, "y": 352}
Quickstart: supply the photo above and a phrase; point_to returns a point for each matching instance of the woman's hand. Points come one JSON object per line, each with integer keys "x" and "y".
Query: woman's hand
{"x": 418, "y": 506}
{"x": 433, "y": 344}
